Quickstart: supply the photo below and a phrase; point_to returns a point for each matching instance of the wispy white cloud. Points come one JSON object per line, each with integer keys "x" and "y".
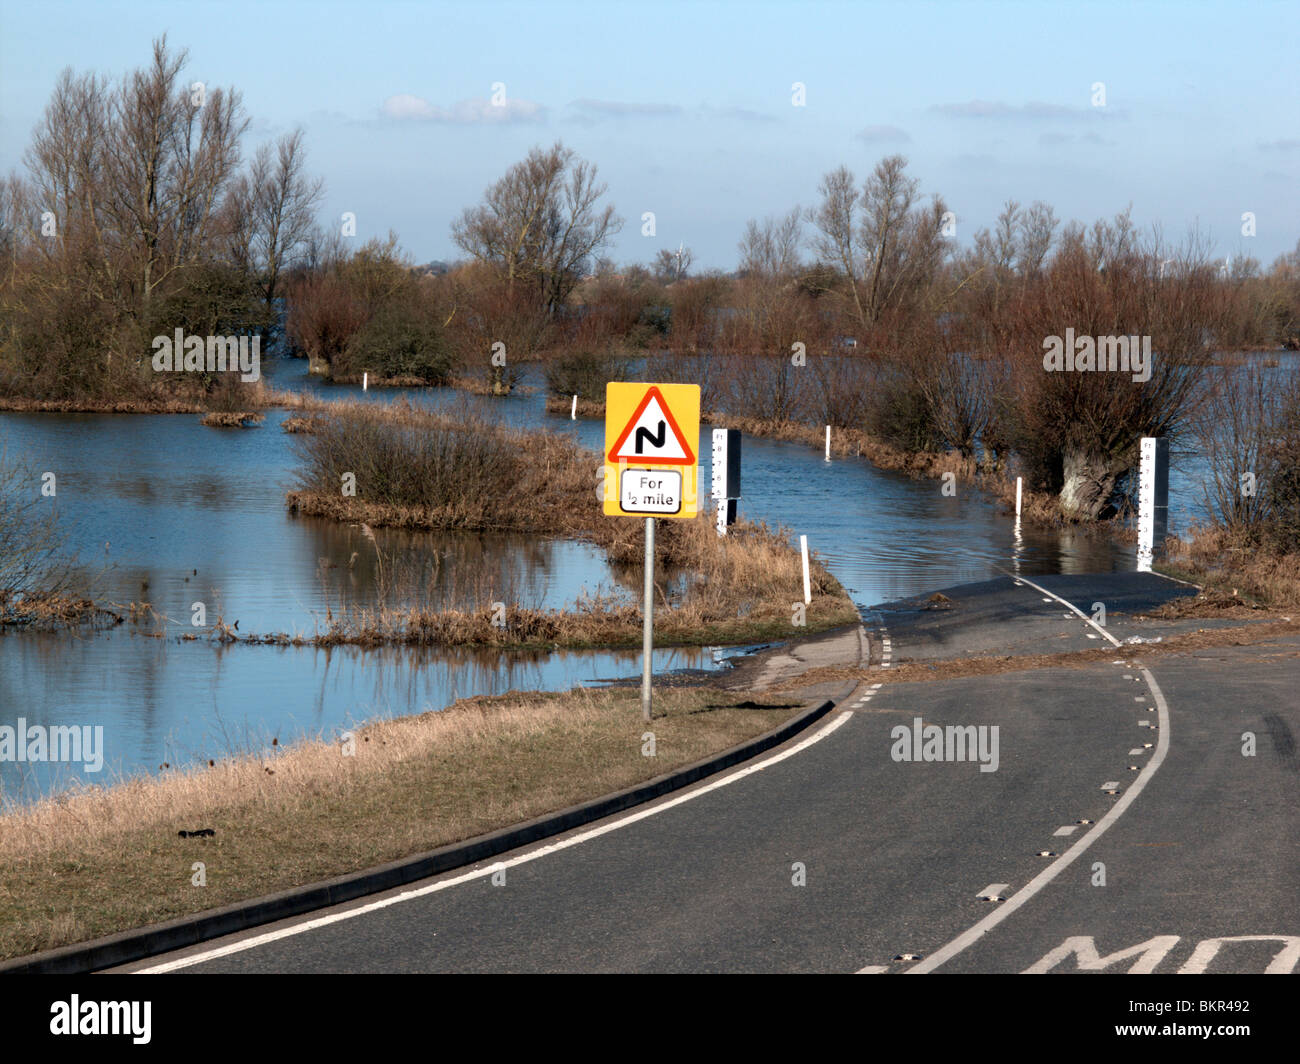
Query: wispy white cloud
{"x": 405, "y": 107}
{"x": 883, "y": 135}
{"x": 619, "y": 109}
{"x": 1285, "y": 144}
{"x": 1034, "y": 111}
{"x": 744, "y": 114}
{"x": 1051, "y": 140}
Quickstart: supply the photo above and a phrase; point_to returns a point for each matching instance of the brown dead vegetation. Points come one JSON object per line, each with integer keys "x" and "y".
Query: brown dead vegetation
{"x": 232, "y": 419}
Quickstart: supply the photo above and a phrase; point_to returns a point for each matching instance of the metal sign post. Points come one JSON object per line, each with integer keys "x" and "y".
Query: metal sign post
{"x": 652, "y": 434}
{"x": 648, "y": 617}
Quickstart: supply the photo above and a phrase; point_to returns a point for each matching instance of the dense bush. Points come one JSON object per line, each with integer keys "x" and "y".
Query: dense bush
{"x": 1280, "y": 461}
{"x": 397, "y": 342}
{"x": 900, "y": 413}
{"x": 585, "y": 371}
{"x": 401, "y": 458}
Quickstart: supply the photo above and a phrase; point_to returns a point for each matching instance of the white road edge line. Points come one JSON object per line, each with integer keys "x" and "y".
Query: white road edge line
{"x": 1069, "y": 605}
{"x": 973, "y": 935}
{"x": 487, "y": 870}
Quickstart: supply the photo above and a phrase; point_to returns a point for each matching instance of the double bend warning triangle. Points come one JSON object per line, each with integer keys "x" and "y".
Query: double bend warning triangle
{"x": 651, "y": 436}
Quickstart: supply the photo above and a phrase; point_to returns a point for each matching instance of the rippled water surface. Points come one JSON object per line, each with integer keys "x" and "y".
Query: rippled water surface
{"x": 161, "y": 509}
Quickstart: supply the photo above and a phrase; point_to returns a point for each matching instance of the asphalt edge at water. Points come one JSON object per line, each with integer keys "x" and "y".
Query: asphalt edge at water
{"x": 127, "y": 946}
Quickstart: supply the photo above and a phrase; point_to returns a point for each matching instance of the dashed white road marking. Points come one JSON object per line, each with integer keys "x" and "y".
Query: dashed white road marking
{"x": 1033, "y": 887}
{"x": 873, "y": 969}
{"x": 1137, "y": 750}
{"x": 1067, "y": 829}
{"x": 1110, "y": 785}
{"x": 479, "y": 873}
{"x": 993, "y": 892}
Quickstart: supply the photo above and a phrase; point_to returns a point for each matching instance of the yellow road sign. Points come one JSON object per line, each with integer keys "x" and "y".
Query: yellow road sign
{"x": 652, "y": 435}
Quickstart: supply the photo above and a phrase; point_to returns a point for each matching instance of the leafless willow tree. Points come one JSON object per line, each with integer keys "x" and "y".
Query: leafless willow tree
{"x": 885, "y": 243}
{"x": 541, "y": 224}
{"x": 272, "y": 211}
{"x": 31, "y": 541}
{"x": 134, "y": 177}
{"x": 769, "y": 249}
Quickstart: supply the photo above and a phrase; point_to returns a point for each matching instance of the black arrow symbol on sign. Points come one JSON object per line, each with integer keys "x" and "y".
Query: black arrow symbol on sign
{"x": 658, "y": 440}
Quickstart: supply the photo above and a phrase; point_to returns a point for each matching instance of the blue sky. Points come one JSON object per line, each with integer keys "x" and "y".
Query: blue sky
{"x": 687, "y": 107}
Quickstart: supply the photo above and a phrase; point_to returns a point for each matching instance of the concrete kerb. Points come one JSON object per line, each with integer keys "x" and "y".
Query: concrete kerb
{"x": 138, "y": 944}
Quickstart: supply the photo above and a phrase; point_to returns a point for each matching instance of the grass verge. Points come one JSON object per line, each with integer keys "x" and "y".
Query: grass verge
{"x": 106, "y": 859}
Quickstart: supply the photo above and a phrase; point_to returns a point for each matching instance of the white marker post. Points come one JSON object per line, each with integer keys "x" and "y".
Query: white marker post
{"x": 573, "y": 411}
{"x": 365, "y": 382}
{"x": 1019, "y": 485}
{"x": 648, "y": 617}
{"x": 807, "y": 584}
{"x": 828, "y": 443}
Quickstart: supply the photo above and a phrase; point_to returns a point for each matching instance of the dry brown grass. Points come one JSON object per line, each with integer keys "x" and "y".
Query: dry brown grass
{"x": 744, "y": 588}
{"x": 485, "y": 386}
{"x": 373, "y": 381}
{"x": 105, "y": 859}
{"x": 160, "y": 405}
{"x": 1231, "y": 566}
{"x": 422, "y": 469}
{"x": 296, "y": 424}
{"x": 1263, "y": 632}
{"x": 586, "y": 407}
{"x": 54, "y": 610}
{"x": 231, "y": 419}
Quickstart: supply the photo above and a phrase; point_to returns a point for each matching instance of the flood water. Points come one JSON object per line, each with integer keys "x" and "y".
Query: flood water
{"x": 161, "y": 509}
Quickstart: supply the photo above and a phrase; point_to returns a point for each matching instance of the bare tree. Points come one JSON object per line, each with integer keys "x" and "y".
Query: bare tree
{"x": 770, "y": 249}
{"x": 670, "y": 265}
{"x": 882, "y": 239}
{"x": 31, "y": 541}
{"x": 135, "y": 177}
{"x": 836, "y": 222}
{"x": 272, "y": 211}
{"x": 540, "y": 224}
{"x": 1036, "y": 230}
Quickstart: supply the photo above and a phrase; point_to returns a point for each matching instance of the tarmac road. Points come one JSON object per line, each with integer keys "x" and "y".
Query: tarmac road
{"x": 833, "y": 855}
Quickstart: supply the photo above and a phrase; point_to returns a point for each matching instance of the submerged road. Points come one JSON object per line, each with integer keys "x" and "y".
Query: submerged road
{"x": 1104, "y": 816}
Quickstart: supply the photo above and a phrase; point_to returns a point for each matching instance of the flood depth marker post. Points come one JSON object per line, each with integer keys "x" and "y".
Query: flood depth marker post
{"x": 1153, "y": 499}
{"x": 652, "y": 435}
{"x": 725, "y": 475}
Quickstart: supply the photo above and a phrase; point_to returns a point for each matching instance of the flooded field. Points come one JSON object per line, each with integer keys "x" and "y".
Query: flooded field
{"x": 161, "y": 509}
